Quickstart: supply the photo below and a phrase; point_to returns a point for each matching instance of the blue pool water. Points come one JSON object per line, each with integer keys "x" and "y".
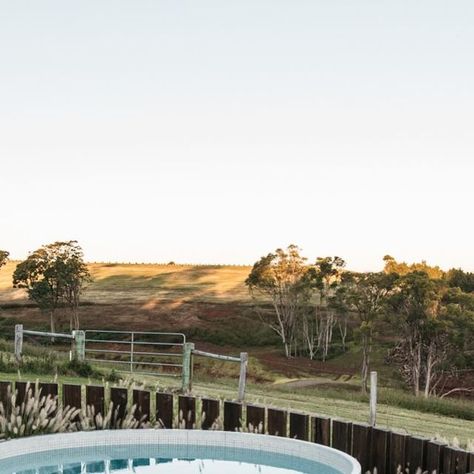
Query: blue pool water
{"x": 162, "y": 459}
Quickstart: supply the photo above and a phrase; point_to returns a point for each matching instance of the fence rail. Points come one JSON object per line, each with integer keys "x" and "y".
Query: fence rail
{"x": 378, "y": 449}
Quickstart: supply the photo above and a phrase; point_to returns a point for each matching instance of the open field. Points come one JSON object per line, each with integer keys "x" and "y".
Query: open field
{"x": 149, "y": 283}
{"x": 212, "y": 306}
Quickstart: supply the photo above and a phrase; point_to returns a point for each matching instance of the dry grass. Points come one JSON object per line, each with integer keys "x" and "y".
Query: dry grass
{"x": 117, "y": 283}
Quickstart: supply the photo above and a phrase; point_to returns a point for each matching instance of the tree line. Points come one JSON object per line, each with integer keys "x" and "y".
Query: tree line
{"x": 315, "y": 306}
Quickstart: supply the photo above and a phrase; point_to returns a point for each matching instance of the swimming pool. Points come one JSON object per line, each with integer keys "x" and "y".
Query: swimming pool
{"x": 170, "y": 452}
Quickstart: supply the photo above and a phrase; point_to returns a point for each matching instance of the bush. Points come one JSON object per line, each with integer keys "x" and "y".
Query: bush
{"x": 37, "y": 414}
{"x": 113, "y": 376}
{"x": 81, "y": 368}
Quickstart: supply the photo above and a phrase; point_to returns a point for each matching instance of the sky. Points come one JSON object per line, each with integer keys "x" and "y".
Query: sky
{"x": 215, "y": 132}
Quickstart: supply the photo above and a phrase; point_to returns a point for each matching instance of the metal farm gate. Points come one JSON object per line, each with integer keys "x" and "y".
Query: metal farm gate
{"x": 148, "y": 353}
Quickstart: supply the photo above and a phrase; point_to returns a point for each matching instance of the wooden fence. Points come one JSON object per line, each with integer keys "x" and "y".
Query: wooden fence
{"x": 375, "y": 448}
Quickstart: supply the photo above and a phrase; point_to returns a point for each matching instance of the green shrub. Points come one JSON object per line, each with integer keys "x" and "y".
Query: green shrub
{"x": 113, "y": 376}
{"x": 37, "y": 414}
{"x": 81, "y": 368}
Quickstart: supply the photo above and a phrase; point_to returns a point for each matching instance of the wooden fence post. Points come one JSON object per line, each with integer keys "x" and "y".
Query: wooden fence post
{"x": 18, "y": 341}
{"x": 79, "y": 345}
{"x": 232, "y": 416}
{"x": 373, "y": 398}
{"x": 244, "y": 357}
{"x": 187, "y": 376}
{"x": 164, "y": 409}
{"x": 210, "y": 413}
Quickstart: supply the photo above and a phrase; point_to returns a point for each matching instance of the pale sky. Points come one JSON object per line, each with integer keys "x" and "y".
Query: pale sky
{"x": 216, "y": 131}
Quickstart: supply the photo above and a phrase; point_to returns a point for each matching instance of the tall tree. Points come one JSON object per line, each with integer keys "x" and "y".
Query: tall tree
{"x": 318, "y": 325}
{"x": 458, "y": 278}
{"x": 282, "y": 277}
{"x": 402, "y": 268}
{"x": 3, "y": 257}
{"x": 366, "y": 295}
{"x": 54, "y": 276}
{"x": 424, "y": 343}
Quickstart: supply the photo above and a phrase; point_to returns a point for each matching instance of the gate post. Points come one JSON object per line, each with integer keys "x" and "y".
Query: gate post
{"x": 244, "y": 357}
{"x": 373, "y": 398}
{"x": 18, "y": 341}
{"x": 79, "y": 345}
{"x": 188, "y": 348}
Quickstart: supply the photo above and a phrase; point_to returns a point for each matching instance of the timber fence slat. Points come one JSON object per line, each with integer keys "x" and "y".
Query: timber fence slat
{"x": 360, "y": 441}
{"x": 416, "y": 449}
{"x": 380, "y": 450}
{"x": 342, "y": 435}
{"x": 21, "y": 391}
{"x": 5, "y": 393}
{"x": 232, "y": 416}
{"x": 397, "y": 452}
{"x": 460, "y": 461}
{"x": 470, "y": 468}
{"x": 141, "y": 399}
{"x": 95, "y": 398}
{"x": 187, "y": 412}
{"x": 434, "y": 460}
{"x": 255, "y": 419}
{"x": 455, "y": 461}
{"x": 277, "y": 421}
{"x": 449, "y": 461}
{"x": 164, "y": 409}
{"x": 210, "y": 413}
{"x": 50, "y": 389}
{"x": 299, "y": 426}
{"x": 322, "y": 430}
{"x": 72, "y": 396}
{"x": 119, "y": 399}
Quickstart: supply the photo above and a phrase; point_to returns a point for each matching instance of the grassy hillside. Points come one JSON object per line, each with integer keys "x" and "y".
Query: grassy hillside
{"x": 212, "y": 306}
{"x": 147, "y": 283}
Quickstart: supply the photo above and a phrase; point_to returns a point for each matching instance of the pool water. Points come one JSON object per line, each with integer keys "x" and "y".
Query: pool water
{"x": 164, "y": 466}
{"x": 161, "y": 459}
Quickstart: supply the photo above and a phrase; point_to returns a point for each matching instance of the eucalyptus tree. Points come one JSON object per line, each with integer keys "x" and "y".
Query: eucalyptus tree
{"x": 3, "y": 257}
{"x": 284, "y": 279}
{"x": 366, "y": 295}
{"x": 54, "y": 276}
{"x": 318, "y": 324}
{"x": 425, "y": 330}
